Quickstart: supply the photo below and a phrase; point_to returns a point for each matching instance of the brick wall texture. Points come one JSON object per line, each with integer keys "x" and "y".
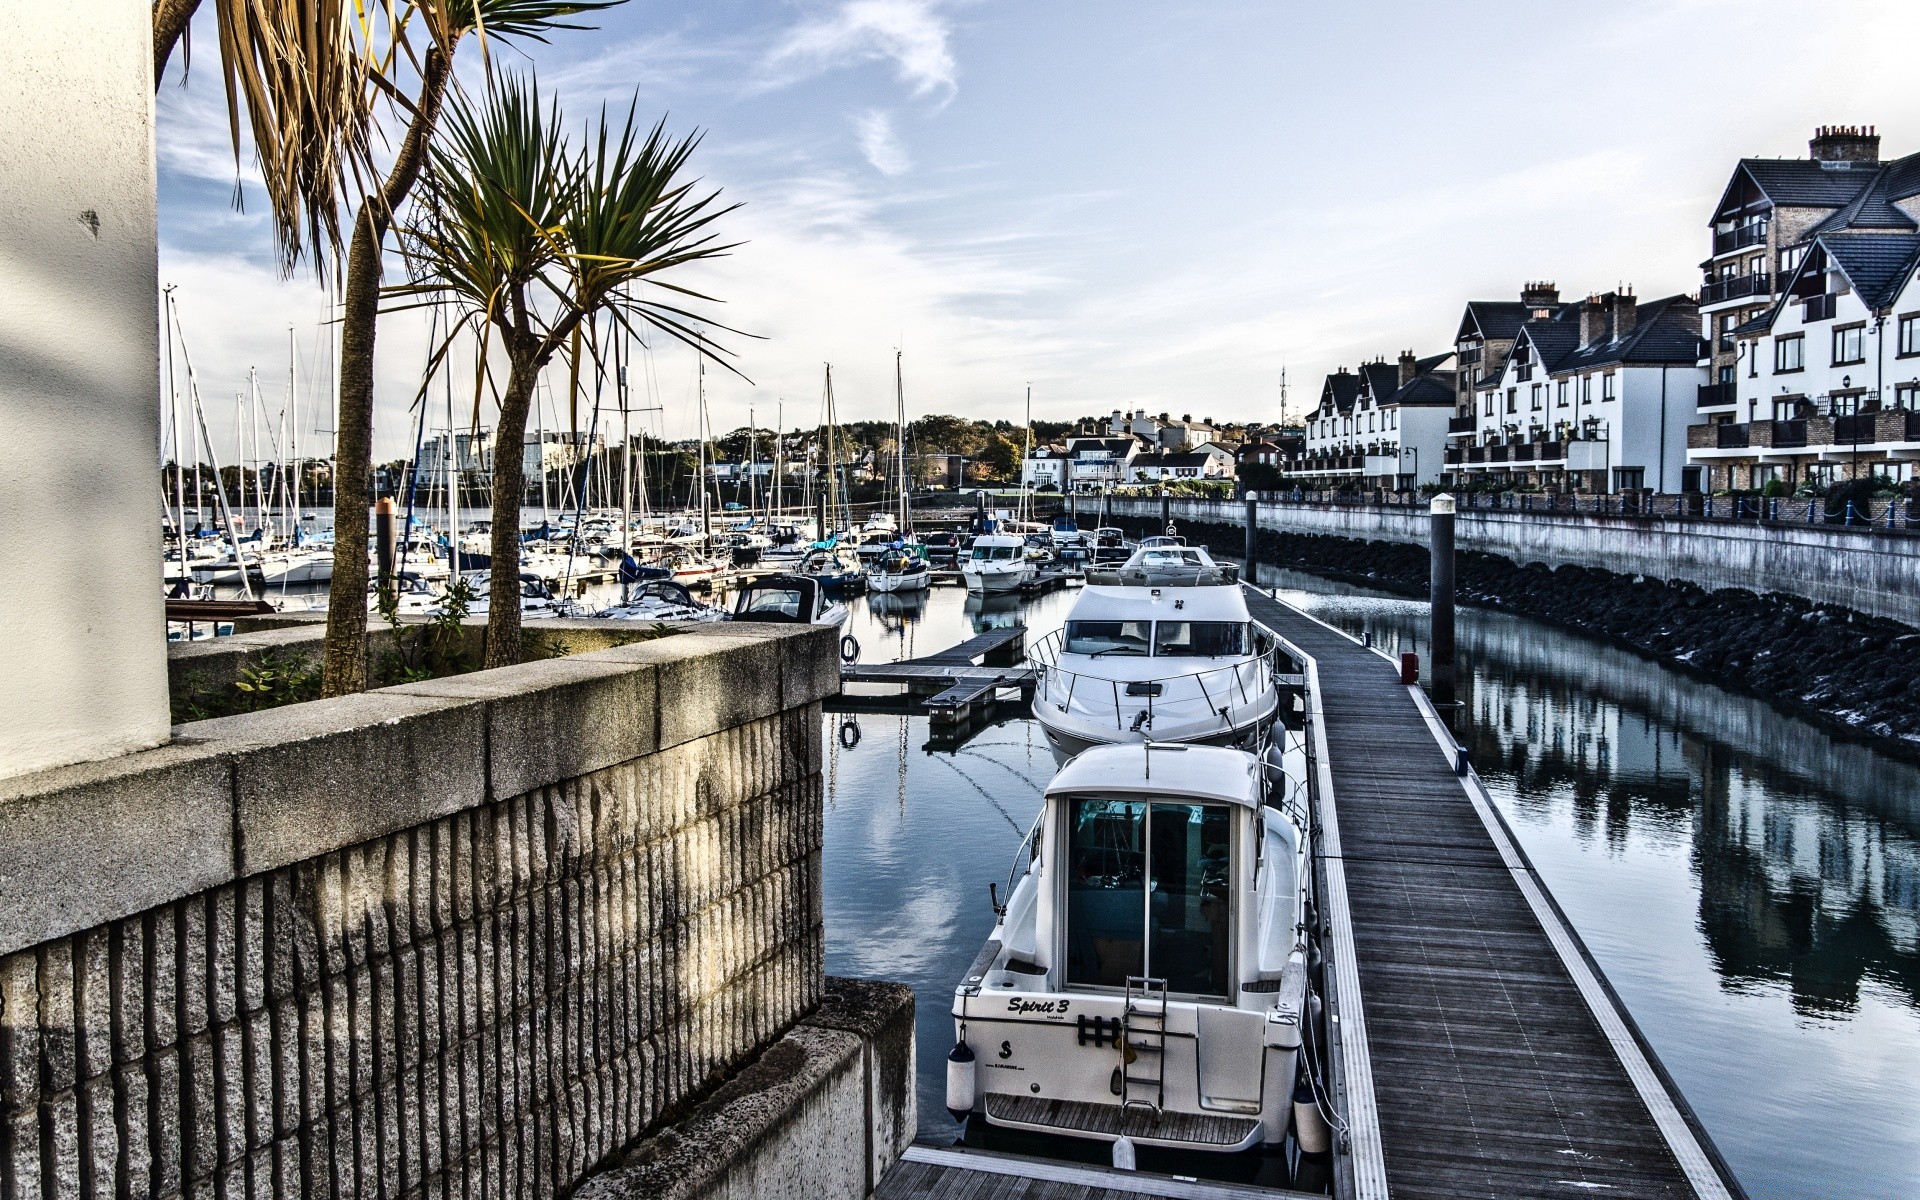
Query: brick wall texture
{"x": 486, "y": 1005}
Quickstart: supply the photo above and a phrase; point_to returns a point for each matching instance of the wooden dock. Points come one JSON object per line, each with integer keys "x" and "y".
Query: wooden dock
{"x": 939, "y": 1173}
{"x": 1477, "y": 1049}
{"x": 954, "y": 684}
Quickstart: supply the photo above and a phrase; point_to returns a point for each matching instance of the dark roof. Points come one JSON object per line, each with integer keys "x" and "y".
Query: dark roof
{"x": 1495, "y": 319}
{"x": 1343, "y": 387}
{"x": 1115, "y": 445}
{"x": 1871, "y": 209}
{"x": 1423, "y": 365}
{"x": 1383, "y": 379}
{"x": 1552, "y": 341}
{"x": 1876, "y": 264}
{"x": 1190, "y": 458}
{"x": 1664, "y": 331}
{"x": 1432, "y": 388}
{"x": 1803, "y": 182}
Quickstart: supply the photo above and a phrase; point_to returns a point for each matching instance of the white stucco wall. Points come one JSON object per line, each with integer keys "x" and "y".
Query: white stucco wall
{"x": 83, "y": 670}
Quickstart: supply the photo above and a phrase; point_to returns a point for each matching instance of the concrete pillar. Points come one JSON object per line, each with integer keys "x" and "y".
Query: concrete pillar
{"x": 1440, "y": 598}
{"x": 84, "y": 656}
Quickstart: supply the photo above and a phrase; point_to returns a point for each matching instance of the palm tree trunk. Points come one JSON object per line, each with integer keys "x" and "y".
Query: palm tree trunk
{"x": 170, "y": 21}
{"x": 344, "y": 657}
{"x": 509, "y": 482}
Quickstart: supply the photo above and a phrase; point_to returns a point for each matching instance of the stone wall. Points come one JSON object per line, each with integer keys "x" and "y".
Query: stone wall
{"x": 465, "y": 937}
{"x": 1872, "y": 572}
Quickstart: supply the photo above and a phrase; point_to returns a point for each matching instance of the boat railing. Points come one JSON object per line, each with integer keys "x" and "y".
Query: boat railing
{"x": 1212, "y": 692}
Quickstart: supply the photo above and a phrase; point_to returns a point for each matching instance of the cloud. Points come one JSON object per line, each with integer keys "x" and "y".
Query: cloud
{"x": 907, "y": 32}
{"x": 880, "y": 143}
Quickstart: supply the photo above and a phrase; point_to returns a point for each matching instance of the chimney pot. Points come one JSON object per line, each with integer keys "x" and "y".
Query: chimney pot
{"x": 1625, "y": 313}
{"x": 1593, "y": 321}
{"x": 1409, "y": 366}
{"x": 1540, "y": 294}
{"x": 1844, "y": 143}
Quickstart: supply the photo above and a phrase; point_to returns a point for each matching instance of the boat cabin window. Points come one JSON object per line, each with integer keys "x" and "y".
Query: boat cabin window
{"x": 1120, "y": 639}
{"x": 1169, "y": 558}
{"x": 1199, "y": 639}
{"x": 773, "y": 603}
{"x": 994, "y": 553}
{"x": 1147, "y": 894}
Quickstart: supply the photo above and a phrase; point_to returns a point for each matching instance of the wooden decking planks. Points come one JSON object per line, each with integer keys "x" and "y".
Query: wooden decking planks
{"x": 1497, "y": 1066}
{"x": 939, "y": 1173}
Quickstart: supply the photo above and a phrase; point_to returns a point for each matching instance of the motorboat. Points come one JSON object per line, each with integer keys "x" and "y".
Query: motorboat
{"x": 660, "y": 600}
{"x": 943, "y": 548}
{"x": 827, "y": 565}
{"x": 1109, "y": 547}
{"x": 1065, "y": 533}
{"x": 1179, "y": 661}
{"x": 1146, "y": 978}
{"x": 1166, "y": 565}
{"x": 792, "y": 599}
{"x": 997, "y": 563}
{"x": 898, "y": 570}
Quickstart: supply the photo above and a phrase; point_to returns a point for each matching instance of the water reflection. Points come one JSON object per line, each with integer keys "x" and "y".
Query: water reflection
{"x": 1750, "y": 884}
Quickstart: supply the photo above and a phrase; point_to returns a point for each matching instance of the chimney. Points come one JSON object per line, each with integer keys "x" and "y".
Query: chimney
{"x": 1186, "y": 418}
{"x": 1540, "y": 294}
{"x": 1845, "y": 143}
{"x": 1593, "y": 321}
{"x": 1409, "y": 366}
{"x": 1625, "y": 311}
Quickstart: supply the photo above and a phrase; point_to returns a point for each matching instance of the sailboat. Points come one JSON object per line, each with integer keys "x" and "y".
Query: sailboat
{"x": 900, "y": 567}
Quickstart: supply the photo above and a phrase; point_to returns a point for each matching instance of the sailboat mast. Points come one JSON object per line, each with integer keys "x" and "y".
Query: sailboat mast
{"x": 259, "y": 451}
{"x": 626, "y": 452}
{"x": 900, "y": 404}
{"x": 453, "y": 483}
{"x": 179, "y": 463}
{"x": 1026, "y": 452}
{"x": 293, "y": 432}
{"x": 700, "y": 415}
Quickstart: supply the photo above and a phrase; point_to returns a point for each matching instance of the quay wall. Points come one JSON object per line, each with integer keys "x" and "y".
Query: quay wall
{"x": 468, "y": 937}
{"x": 1872, "y": 572}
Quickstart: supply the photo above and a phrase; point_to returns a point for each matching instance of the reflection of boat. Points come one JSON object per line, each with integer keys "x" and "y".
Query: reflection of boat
{"x": 998, "y": 611}
{"x": 1179, "y": 661}
{"x": 997, "y": 563}
{"x": 791, "y": 599}
{"x": 1147, "y": 977}
{"x": 898, "y": 604}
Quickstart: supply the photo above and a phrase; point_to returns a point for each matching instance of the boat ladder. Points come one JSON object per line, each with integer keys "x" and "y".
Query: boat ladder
{"x": 1143, "y": 1062}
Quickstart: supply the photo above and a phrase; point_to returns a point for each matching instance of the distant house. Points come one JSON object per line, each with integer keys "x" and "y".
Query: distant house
{"x": 1384, "y": 426}
{"x": 1206, "y": 461}
{"x": 1044, "y": 467}
{"x": 1094, "y": 462}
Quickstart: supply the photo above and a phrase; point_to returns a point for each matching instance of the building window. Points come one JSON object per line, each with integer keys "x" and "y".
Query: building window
{"x": 1607, "y": 385}
{"x": 1513, "y": 399}
{"x": 1790, "y": 259}
{"x": 1907, "y": 396}
{"x": 1787, "y": 353}
{"x": 1489, "y": 404}
{"x": 1586, "y": 389}
{"x": 1538, "y": 391}
{"x": 1766, "y": 473}
{"x": 1629, "y": 479}
{"x": 1849, "y": 345}
{"x": 1786, "y": 408}
{"x": 1910, "y": 334}
{"x": 1561, "y": 394}
{"x": 1526, "y": 370}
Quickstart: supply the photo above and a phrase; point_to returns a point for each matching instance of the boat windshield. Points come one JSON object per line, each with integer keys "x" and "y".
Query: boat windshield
{"x": 1199, "y": 639}
{"x": 773, "y": 602}
{"x": 1125, "y": 639}
{"x": 1169, "y": 559}
{"x": 994, "y": 553}
{"x": 1148, "y": 894}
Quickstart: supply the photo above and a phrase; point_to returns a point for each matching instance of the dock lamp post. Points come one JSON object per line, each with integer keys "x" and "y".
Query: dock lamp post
{"x": 1440, "y": 601}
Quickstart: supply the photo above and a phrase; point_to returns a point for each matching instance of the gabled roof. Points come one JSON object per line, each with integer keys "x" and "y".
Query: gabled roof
{"x": 1493, "y": 320}
{"x": 1876, "y": 264}
{"x": 1664, "y": 331}
{"x": 1871, "y": 209}
{"x": 1343, "y": 388}
{"x": 1802, "y": 182}
{"x": 1552, "y": 341}
{"x": 1383, "y": 379}
{"x": 1118, "y": 445}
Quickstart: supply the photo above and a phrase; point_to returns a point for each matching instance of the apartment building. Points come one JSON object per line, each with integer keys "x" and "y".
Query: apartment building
{"x": 1383, "y": 426}
{"x": 1594, "y": 396}
{"x": 1814, "y": 315}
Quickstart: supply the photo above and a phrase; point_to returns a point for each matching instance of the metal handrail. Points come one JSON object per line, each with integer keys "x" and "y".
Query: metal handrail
{"x": 1044, "y": 655}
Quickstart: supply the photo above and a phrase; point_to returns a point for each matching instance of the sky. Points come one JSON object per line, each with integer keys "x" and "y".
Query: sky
{"x": 1118, "y": 204}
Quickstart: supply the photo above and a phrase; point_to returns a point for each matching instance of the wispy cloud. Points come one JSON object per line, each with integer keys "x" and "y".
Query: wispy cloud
{"x": 881, "y": 143}
{"x": 909, "y": 33}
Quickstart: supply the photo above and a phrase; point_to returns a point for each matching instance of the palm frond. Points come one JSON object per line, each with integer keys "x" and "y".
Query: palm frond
{"x": 300, "y": 69}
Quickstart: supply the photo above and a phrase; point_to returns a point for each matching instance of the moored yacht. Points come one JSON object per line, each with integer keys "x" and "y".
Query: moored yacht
{"x": 997, "y": 563}
{"x": 791, "y": 599}
{"x": 1147, "y": 977}
{"x": 1177, "y": 660}
{"x": 899, "y": 569}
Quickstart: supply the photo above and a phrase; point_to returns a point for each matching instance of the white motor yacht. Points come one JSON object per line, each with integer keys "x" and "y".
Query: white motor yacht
{"x": 660, "y": 600}
{"x": 997, "y": 563}
{"x": 1176, "y": 661}
{"x": 1147, "y": 976}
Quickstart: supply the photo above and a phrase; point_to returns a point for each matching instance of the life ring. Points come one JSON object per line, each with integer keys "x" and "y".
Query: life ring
{"x": 849, "y": 648}
{"x": 849, "y": 734}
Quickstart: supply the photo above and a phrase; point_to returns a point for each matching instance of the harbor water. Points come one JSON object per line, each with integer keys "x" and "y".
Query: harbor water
{"x": 1750, "y": 884}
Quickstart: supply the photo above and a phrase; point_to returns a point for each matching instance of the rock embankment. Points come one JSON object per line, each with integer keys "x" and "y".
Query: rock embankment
{"x": 1844, "y": 668}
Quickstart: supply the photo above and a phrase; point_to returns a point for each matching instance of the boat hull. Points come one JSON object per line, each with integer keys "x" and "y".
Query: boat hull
{"x": 995, "y": 581}
{"x": 912, "y": 581}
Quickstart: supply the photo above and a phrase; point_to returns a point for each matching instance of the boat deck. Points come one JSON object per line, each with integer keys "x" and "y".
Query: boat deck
{"x": 1478, "y": 1050}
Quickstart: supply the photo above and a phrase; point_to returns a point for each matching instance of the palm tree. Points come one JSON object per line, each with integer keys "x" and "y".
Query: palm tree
{"x": 306, "y": 72}
{"x": 529, "y": 240}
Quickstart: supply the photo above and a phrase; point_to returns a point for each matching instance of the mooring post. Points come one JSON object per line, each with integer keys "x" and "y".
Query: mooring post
{"x": 1440, "y": 598}
{"x": 1166, "y": 511}
{"x": 820, "y": 516}
{"x": 1252, "y": 574}
{"x": 384, "y": 522}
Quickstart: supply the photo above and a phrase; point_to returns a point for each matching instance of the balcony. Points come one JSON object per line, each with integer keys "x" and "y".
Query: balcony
{"x": 1455, "y": 456}
{"x": 1498, "y": 453}
{"x": 1818, "y": 308}
{"x": 1740, "y": 239}
{"x": 1786, "y": 435}
{"x": 1722, "y": 290}
{"x": 1718, "y": 395}
{"x": 1730, "y": 436}
{"x": 1460, "y": 424}
{"x": 1476, "y": 454}
{"x": 1523, "y": 452}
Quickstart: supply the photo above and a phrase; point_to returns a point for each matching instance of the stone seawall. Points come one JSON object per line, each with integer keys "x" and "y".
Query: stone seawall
{"x": 1871, "y": 572}
{"x": 1849, "y": 671}
{"x": 465, "y": 937}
